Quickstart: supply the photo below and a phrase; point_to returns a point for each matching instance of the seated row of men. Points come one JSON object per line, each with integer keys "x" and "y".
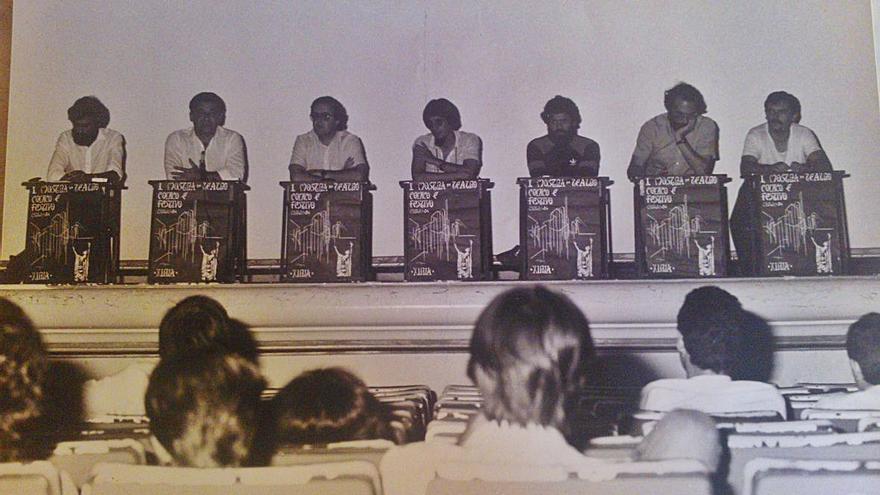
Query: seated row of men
{"x": 682, "y": 141}
{"x": 531, "y": 354}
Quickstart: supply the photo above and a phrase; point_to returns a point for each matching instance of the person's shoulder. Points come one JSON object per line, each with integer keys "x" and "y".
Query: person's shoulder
{"x": 469, "y": 135}
{"x": 180, "y": 134}
{"x": 754, "y": 386}
{"x": 228, "y": 132}
{"x": 541, "y": 142}
{"x": 801, "y": 129}
{"x": 584, "y": 141}
{"x": 65, "y": 136}
{"x": 666, "y": 383}
{"x": 424, "y": 138}
{"x": 758, "y": 129}
{"x": 704, "y": 121}
{"x": 346, "y": 136}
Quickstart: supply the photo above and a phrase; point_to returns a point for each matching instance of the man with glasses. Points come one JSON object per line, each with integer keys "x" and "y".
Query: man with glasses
{"x": 328, "y": 151}
{"x": 562, "y": 152}
{"x": 681, "y": 141}
{"x": 207, "y": 150}
{"x": 446, "y": 152}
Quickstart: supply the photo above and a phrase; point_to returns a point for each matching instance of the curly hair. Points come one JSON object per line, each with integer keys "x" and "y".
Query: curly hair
{"x": 530, "y": 354}
{"x": 23, "y": 367}
{"x": 329, "y": 405}
{"x": 863, "y": 346}
{"x": 203, "y": 408}
{"x": 561, "y": 104}
{"x": 712, "y": 325}
{"x": 89, "y": 107}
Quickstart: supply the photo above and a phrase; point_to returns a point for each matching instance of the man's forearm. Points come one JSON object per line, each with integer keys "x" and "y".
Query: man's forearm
{"x": 699, "y": 164}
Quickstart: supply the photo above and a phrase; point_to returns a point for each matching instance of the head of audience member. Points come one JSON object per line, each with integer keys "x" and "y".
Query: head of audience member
{"x": 23, "y": 368}
{"x": 329, "y": 405}
{"x": 87, "y": 116}
{"x": 199, "y": 322}
{"x": 711, "y": 323}
{"x": 328, "y": 116}
{"x": 781, "y": 110}
{"x": 203, "y": 408}
{"x": 442, "y": 118}
{"x": 530, "y": 354}
{"x": 207, "y": 111}
{"x": 863, "y": 349}
{"x": 563, "y": 119}
{"x": 684, "y": 103}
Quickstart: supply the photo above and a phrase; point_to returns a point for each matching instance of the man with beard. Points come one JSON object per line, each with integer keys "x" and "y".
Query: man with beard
{"x": 562, "y": 152}
{"x": 779, "y": 145}
{"x": 328, "y": 151}
{"x": 679, "y": 142}
{"x": 89, "y": 149}
{"x": 207, "y": 150}
{"x": 446, "y": 152}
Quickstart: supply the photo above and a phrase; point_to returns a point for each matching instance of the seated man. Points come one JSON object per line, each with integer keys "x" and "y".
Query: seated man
{"x": 328, "y": 151}
{"x": 679, "y": 142}
{"x": 446, "y": 152}
{"x": 90, "y": 149}
{"x": 531, "y": 354}
{"x": 329, "y": 405}
{"x": 207, "y": 150}
{"x": 713, "y": 331}
{"x": 863, "y": 349}
{"x": 562, "y": 152}
{"x": 779, "y": 145}
{"x": 203, "y": 409}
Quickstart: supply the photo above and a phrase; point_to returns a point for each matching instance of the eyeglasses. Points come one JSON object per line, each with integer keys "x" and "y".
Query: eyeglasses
{"x": 322, "y": 116}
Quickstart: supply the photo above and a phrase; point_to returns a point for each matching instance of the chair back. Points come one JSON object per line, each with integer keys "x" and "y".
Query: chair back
{"x": 774, "y": 476}
{"x": 38, "y": 478}
{"x": 77, "y": 458}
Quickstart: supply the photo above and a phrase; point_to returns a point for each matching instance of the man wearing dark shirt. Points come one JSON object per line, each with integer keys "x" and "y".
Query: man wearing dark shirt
{"x": 562, "y": 152}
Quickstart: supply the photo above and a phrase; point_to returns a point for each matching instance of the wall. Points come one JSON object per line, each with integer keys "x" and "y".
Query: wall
{"x": 498, "y": 61}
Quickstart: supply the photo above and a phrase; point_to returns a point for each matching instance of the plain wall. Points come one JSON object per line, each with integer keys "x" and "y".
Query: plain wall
{"x": 499, "y": 61}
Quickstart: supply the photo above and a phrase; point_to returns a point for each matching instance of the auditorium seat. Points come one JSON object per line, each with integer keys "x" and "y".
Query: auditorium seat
{"x": 360, "y": 450}
{"x": 37, "y": 478}
{"x": 338, "y": 478}
{"x": 656, "y": 478}
{"x": 775, "y": 476}
{"x": 869, "y": 424}
{"x": 844, "y": 420}
{"x": 77, "y": 458}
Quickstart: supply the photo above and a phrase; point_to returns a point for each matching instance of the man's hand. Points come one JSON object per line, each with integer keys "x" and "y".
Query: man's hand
{"x": 798, "y": 167}
{"x": 349, "y": 163}
{"x": 76, "y": 176}
{"x": 681, "y": 132}
{"x": 779, "y": 167}
{"x": 653, "y": 167}
{"x": 422, "y": 152}
{"x": 183, "y": 173}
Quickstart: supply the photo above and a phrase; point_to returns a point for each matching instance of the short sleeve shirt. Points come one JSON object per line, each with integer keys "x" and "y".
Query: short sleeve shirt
{"x": 310, "y": 153}
{"x": 656, "y": 142}
{"x": 559, "y": 160}
{"x": 801, "y": 143}
{"x": 468, "y": 146}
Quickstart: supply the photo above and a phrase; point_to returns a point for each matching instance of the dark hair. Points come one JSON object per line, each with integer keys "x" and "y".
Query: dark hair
{"x": 206, "y": 97}
{"x": 685, "y": 92}
{"x": 329, "y": 405}
{"x": 89, "y": 107}
{"x": 441, "y": 107}
{"x": 863, "y": 346}
{"x": 339, "y": 113}
{"x": 711, "y": 323}
{"x": 203, "y": 408}
{"x": 530, "y": 353}
{"x": 782, "y": 97}
{"x": 23, "y": 371}
{"x": 199, "y": 322}
{"x": 561, "y": 104}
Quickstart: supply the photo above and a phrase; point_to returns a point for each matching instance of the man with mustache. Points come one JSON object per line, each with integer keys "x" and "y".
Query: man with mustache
{"x": 562, "y": 152}
{"x": 89, "y": 149}
{"x": 779, "y": 145}
{"x": 681, "y": 141}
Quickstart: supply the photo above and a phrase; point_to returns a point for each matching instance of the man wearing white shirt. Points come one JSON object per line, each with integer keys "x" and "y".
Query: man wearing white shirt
{"x": 446, "y": 152}
{"x": 863, "y": 349}
{"x": 779, "y": 145}
{"x": 328, "y": 151}
{"x": 89, "y": 149}
{"x": 207, "y": 150}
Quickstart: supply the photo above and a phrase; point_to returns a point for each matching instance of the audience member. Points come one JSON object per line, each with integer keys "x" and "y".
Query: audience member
{"x": 681, "y": 141}
{"x": 207, "y": 150}
{"x": 328, "y": 151}
{"x": 712, "y": 326}
{"x": 446, "y": 152}
{"x": 562, "y": 152}
{"x": 23, "y": 368}
{"x": 529, "y": 355}
{"x": 90, "y": 149}
{"x": 330, "y": 405}
{"x": 863, "y": 349}
{"x": 203, "y": 408}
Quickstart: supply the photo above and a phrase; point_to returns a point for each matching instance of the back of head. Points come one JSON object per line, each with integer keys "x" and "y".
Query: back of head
{"x": 530, "y": 353}
{"x": 329, "y": 405}
{"x": 195, "y": 324}
{"x": 23, "y": 367}
{"x": 711, "y": 323}
{"x": 863, "y": 346}
{"x": 89, "y": 107}
{"x": 203, "y": 408}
